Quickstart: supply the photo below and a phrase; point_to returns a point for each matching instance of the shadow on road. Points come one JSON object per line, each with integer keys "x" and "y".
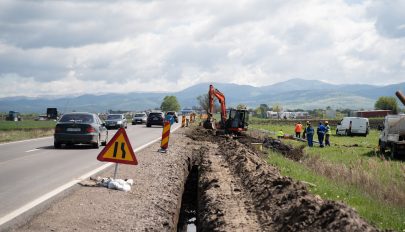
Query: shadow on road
{"x": 67, "y": 147}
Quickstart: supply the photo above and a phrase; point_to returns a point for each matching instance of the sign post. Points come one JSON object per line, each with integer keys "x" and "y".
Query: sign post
{"x": 118, "y": 150}
{"x": 115, "y": 170}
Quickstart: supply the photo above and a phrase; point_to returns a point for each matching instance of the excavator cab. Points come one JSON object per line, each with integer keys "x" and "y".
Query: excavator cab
{"x": 237, "y": 121}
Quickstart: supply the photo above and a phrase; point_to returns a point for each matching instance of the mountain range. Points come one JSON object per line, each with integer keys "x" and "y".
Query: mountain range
{"x": 291, "y": 94}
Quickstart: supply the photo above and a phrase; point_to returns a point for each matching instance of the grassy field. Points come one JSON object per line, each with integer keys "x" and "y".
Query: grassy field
{"x": 352, "y": 171}
{"x": 26, "y": 125}
{"x": 27, "y": 129}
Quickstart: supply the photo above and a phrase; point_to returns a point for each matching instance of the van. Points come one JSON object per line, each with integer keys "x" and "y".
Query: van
{"x": 353, "y": 126}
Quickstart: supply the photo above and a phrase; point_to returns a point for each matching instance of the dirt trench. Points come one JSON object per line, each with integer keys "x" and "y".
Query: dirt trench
{"x": 239, "y": 191}
{"x": 236, "y": 191}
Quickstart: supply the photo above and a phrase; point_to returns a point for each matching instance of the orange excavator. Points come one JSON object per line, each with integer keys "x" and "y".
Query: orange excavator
{"x": 234, "y": 124}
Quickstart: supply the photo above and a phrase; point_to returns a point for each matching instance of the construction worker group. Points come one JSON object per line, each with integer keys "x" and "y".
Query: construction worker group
{"x": 323, "y": 132}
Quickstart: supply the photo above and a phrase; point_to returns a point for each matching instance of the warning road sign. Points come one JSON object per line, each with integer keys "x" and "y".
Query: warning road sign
{"x": 118, "y": 150}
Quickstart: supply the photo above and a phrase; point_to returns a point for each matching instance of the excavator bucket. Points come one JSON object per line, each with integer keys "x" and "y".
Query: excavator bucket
{"x": 209, "y": 124}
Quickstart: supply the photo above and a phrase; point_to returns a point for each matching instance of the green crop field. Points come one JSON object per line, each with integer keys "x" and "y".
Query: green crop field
{"x": 352, "y": 171}
{"x": 27, "y": 129}
{"x": 26, "y": 125}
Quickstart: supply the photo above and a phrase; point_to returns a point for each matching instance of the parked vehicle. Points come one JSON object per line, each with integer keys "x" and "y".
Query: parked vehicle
{"x": 392, "y": 134}
{"x": 41, "y": 118}
{"x": 353, "y": 126}
{"x": 13, "y": 116}
{"x": 52, "y": 113}
{"x": 80, "y": 128}
{"x": 139, "y": 118}
{"x": 116, "y": 121}
{"x": 155, "y": 118}
{"x": 174, "y": 115}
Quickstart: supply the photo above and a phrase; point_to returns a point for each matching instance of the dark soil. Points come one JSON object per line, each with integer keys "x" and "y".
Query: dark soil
{"x": 266, "y": 200}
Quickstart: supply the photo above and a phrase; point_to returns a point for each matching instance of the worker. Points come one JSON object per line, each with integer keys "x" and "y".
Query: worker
{"x": 298, "y": 129}
{"x": 280, "y": 134}
{"x": 327, "y": 134}
{"x": 321, "y": 133}
{"x": 309, "y": 131}
{"x": 304, "y": 132}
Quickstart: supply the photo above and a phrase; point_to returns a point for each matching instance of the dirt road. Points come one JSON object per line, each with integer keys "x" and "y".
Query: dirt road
{"x": 237, "y": 191}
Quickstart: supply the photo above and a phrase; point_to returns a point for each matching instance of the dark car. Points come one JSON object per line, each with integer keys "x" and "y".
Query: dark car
{"x": 116, "y": 121}
{"x": 139, "y": 118}
{"x": 174, "y": 115}
{"x": 155, "y": 118}
{"x": 80, "y": 128}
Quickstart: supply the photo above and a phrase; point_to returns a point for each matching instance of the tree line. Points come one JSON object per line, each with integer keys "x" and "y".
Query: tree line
{"x": 170, "y": 103}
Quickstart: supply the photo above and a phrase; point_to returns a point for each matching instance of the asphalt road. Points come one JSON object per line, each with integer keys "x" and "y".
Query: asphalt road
{"x": 30, "y": 169}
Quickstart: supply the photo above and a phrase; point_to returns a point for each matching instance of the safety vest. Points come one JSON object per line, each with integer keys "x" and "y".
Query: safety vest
{"x": 328, "y": 130}
{"x": 298, "y": 128}
{"x": 280, "y": 134}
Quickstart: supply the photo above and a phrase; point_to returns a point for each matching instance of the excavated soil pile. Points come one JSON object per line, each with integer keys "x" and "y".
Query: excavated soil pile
{"x": 255, "y": 136}
{"x": 287, "y": 150}
{"x": 239, "y": 191}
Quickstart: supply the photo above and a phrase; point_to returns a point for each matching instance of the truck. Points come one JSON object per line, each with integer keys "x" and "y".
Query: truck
{"x": 353, "y": 126}
{"x": 392, "y": 134}
{"x": 234, "y": 124}
{"x": 52, "y": 113}
{"x": 13, "y": 116}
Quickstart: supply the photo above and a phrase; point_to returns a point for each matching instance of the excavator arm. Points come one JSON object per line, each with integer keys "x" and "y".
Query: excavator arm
{"x": 221, "y": 98}
{"x": 400, "y": 96}
{"x": 212, "y": 94}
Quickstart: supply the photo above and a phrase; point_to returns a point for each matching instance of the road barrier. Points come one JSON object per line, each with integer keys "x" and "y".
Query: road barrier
{"x": 165, "y": 137}
{"x": 183, "y": 121}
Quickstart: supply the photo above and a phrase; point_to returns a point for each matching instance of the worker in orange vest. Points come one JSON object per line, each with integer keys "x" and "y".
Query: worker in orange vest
{"x": 298, "y": 130}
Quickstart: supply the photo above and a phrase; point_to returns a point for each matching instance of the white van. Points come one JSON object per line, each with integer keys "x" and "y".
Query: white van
{"x": 353, "y": 126}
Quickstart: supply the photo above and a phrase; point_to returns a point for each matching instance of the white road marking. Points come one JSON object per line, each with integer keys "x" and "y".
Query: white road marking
{"x": 49, "y": 195}
{"x": 60, "y": 189}
{"x": 36, "y": 149}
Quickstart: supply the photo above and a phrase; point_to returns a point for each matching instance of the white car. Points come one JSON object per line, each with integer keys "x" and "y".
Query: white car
{"x": 139, "y": 118}
{"x": 116, "y": 121}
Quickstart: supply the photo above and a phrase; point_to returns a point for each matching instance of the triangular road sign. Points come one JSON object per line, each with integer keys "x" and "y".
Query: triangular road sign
{"x": 118, "y": 150}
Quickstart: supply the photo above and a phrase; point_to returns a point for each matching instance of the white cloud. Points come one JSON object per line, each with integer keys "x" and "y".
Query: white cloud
{"x": 74, "y": 47}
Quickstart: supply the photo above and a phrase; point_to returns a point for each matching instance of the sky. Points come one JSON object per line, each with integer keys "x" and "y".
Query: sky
{"x": 98, "y": 46}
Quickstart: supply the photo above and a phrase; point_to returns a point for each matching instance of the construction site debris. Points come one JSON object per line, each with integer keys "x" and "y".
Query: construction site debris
{"x": 118, "y": 184}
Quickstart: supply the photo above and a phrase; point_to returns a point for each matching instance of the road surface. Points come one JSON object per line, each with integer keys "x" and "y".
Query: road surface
{"x": 29, "y": 169}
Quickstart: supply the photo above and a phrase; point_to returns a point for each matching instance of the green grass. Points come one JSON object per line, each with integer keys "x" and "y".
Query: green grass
{"x": 378, "y": 213}
{"x": 351, "y": 168}
{"x": 27, "y": 129}
{"x": 16, "y": 135}
{"x": 26, "y": 125}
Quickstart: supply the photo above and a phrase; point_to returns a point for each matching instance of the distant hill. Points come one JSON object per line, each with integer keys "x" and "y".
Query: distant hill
{"x": 291, "y": 94}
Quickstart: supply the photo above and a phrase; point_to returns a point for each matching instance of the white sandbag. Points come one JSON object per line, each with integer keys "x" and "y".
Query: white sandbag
{"x": 130, "y": 181}
{"x": 119, "y": 184}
